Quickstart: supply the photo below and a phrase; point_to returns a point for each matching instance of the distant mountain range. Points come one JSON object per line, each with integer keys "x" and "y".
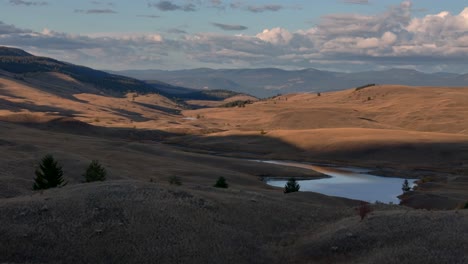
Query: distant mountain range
{"x": 271, "y": 81}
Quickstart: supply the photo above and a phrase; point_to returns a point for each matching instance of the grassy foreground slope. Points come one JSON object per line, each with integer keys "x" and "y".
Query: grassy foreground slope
{"x": 138, "y": 222}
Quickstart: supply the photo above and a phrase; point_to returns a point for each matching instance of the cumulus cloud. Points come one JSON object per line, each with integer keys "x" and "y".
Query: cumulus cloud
{"x": 275, "y": 36}
{"x": 169, "y": 6}
{"x": 229, "y": 27}
{"x": 392, "y": 38}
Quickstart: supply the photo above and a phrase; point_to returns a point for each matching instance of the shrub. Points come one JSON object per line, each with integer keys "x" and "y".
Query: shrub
{"x": 221, "y": 183}
{"x": 364, "y": 209}
{"x": 465, "y": 206}
{"x": 263, "y": 132}
{"x": 95, "y": 172}
{"x": 174, "y": 180}
{"x": 405, "y": 187}
{"x": 49, "y": 174}
{"x": 291, "y": 186}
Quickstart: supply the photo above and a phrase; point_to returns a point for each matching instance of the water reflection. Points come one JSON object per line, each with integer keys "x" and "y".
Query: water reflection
{"x": 354, "y": 183}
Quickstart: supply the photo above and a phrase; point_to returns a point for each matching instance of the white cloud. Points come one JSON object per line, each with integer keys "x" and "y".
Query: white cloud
{"x": 275, "y": 36}
{"x": 392, "y": 38}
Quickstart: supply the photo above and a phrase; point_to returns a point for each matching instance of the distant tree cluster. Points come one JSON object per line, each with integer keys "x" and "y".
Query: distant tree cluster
{"x": 238, "y": 103}
{"x": 49, "y": 174}
{"x": 365, "y": 86}
{"x": 111, "y": 82}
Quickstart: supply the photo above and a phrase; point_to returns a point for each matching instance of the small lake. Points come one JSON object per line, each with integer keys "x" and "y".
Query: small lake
{"x": 353, "y": 183}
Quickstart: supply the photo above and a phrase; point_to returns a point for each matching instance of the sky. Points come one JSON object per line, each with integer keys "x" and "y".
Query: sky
{"x": 338, "y": 35}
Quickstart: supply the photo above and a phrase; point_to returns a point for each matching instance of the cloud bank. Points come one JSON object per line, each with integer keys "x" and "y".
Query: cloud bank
{"x": 394, "y": 38}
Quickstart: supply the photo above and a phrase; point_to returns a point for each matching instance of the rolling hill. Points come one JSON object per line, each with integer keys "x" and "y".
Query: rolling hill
{"x": 20, "y": 64}
{"x": 144, "y": 139}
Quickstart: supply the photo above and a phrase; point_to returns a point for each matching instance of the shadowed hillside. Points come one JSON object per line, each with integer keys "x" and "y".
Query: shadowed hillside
{"x": 159, "y": 202}
{"x": 21, "y": 63}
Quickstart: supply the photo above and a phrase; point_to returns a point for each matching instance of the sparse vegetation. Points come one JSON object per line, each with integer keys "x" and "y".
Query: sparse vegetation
{"x": 364, "y": 209}
{"x": 49, "y": 174}
{"x": 364, "y": 86}
{"x": 174, "y": 180}
{"x": 263, "y": 132}
{"x": 221, "y": 183}
{"x": 291, "y": 186}
{"x": 95, "y": 172}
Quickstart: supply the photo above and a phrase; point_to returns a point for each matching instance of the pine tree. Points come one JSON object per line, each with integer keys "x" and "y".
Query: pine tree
{"x": 291, "y": 186}
{"x": 221, "y": 183}
{"x": 49, "y": 174}
{"x": 95, "y": 172}
{"x": 405, "y": 187}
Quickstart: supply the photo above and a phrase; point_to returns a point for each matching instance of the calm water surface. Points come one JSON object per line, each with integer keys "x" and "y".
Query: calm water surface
{"x": 354, "y": 183}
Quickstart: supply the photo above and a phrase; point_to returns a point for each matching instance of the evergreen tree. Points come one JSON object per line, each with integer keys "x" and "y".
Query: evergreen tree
{"x": 49, "y": 174}
{"x": 95, "y": 172}
{"x": 405, "y": 187}
{"x": 291, "y": 186}
{"x": 221, "y": 183}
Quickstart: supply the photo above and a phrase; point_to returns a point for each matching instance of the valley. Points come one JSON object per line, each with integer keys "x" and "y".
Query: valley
{"x": 144, "y": 134}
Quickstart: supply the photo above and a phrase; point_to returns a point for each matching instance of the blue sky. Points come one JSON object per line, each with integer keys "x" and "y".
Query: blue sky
{"x": 345, "y": 35}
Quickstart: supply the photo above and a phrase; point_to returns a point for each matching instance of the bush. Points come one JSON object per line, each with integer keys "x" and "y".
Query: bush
{"x": 291, "y": 186}
{"x": 95, "y": 172}
{"x": 49, "y": 174}
{"x": 364, "y": 209}
{"x": 405, "y": 187}
{"x": 221, "y": 183}
{"x": 174, "y": 180}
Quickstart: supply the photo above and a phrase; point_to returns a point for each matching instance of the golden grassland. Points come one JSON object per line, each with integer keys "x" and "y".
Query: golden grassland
{"x": 143, "y": 140}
